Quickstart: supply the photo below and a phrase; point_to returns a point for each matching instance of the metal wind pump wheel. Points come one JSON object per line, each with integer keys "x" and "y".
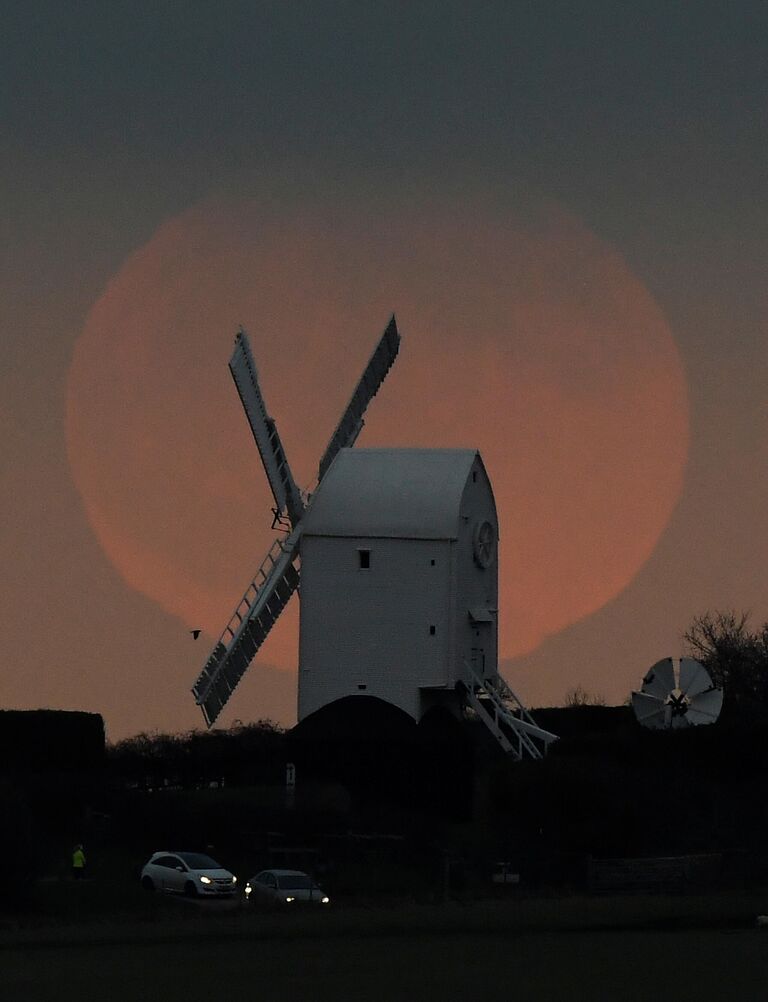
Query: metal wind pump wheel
{"x": 677, "y": 693}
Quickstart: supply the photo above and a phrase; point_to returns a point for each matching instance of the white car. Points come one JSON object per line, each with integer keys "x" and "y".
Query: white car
{"x": 284, "y": 887}
{"x": 190, "y": 873}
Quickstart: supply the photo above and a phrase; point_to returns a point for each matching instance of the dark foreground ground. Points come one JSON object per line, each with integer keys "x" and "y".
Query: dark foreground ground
{"x": 652, "y": 948}
{"x": 591, "y": 966}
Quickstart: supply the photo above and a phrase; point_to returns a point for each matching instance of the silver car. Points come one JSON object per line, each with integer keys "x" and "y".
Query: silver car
{"x": 190, "y": 873}
{"x": 284, "y": 887}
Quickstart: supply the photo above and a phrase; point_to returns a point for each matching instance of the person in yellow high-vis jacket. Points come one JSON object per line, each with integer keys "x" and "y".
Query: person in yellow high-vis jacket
{"x": 78, "y": 863}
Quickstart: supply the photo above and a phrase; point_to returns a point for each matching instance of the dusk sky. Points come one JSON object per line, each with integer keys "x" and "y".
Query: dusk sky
{"x": 564, "y": 205}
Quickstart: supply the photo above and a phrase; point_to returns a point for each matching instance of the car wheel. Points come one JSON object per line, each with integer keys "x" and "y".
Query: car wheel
{"x": 148, "y": 883}
{"x": 190, "y": 890}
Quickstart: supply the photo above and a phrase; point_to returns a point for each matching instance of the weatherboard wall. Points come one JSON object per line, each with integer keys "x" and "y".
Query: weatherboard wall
{"x": 396, "y": 608}
{"x": 381, "y": 630}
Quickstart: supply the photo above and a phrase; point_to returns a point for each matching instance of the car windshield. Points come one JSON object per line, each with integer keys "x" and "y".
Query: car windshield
{"x": 199, "y": 861}
{"x": 294, "y": 882}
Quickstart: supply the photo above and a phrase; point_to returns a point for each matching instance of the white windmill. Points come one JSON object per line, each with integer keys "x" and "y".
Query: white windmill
{"x": 396, "y": 550}
{"x": 677, "y": 694}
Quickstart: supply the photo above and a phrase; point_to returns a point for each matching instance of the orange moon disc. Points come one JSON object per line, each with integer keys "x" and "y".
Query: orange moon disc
{"x": 524, "y": 335}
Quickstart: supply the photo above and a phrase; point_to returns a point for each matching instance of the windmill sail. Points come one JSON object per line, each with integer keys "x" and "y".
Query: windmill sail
{"x": 284, "y": 489}
{"x": 264, "y": 599}
{"x": 351, "y": 423}
{"x": 705, "y": 707}
{"x": 650, "y": 711}
{"x": 694, "y": 678}
{"x": 659, "y": 680}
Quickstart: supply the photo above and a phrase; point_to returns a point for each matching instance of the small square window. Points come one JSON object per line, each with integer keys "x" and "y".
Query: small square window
{"x": 432, "y": 563}
{"x": 364, "y": 558}
{"x": 361, "y": 685}
{"x": 431, "y": 631}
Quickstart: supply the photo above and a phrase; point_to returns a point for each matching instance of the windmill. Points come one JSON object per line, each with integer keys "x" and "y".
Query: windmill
{"x": 396, "y": 551}
{"x": 675, "y": 695}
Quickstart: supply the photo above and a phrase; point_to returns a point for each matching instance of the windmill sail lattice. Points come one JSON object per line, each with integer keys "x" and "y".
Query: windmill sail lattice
{"x": 284, "y": 489}
{"x": 351, "y": 423}
{"x": 264, "y": 599}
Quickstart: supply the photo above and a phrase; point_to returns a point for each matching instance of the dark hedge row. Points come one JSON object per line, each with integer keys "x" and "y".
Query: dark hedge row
{"x": 57, "y": 740}
{"x": 242, "y": 755}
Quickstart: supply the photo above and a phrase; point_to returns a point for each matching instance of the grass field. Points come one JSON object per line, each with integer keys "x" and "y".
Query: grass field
{"x": 590, "y": 966}
{"x": 573, "y": 948}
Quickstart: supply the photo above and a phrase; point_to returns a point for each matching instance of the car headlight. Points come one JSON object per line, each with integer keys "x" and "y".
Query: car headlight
{"x": 206, "y": 880}
{"x": 248, "y": 888}
{"x": 234, "y": 880}
{"x": 288, "y": 900}
{"x": 325, "y": 901}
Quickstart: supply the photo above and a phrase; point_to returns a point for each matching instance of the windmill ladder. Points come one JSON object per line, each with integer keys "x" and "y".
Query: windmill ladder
{"x": 504, "y": 715}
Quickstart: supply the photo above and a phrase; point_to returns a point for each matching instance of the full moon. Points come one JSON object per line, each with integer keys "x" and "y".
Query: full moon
{"x": 525, "y": 335}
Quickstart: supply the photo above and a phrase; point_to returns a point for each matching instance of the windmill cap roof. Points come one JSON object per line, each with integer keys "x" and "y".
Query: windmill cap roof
{"x": 401, "y": 493}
